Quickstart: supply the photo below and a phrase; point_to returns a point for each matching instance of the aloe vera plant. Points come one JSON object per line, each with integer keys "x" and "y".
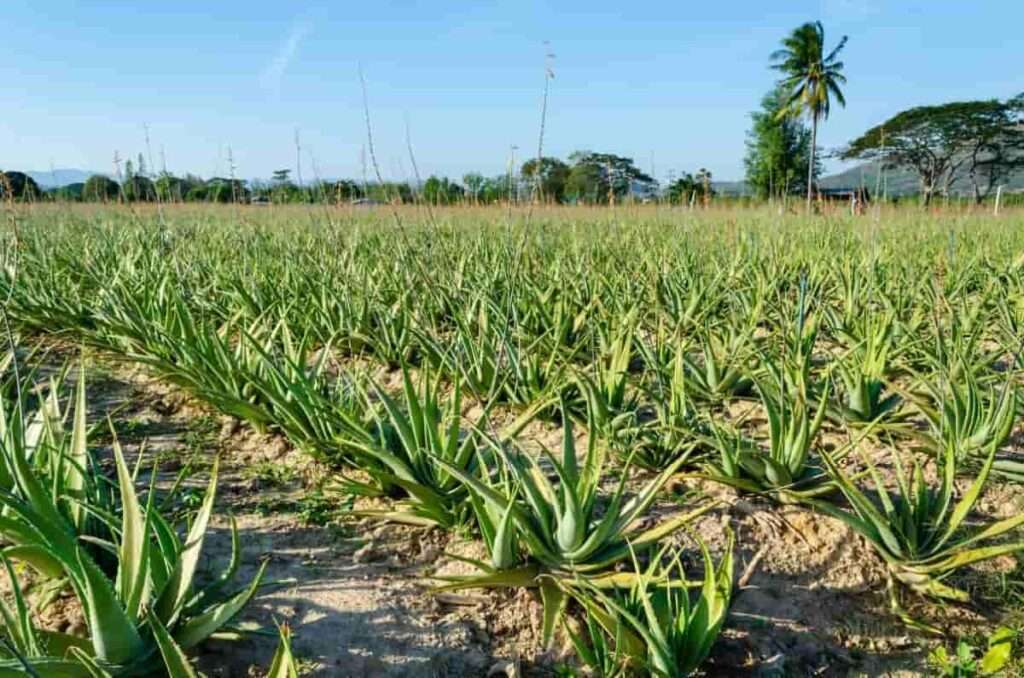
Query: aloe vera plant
{"x": 607, "y": 400}
{"x": 32, "y": 651}
{"x": 967, "y": 417}
{"x": 954, "y": 345}
{"x": 863, "y": 372}
{"x": 405, "y": 443}
{"x": 546, "y": 310}
{"x": 540, "y": 533}
{"x": 799, "y": 341}
{"x": 722, "y": 371}
{"x": 561, "y": 525}
{"x": 536, "y": 370}
{"x": 472, "y": 354}
{"x": 784, "y": 468}
{"x": 656, "y": 624}
{"x": 676, "y": 430}
{"x": 922, "y": 533}
{"x": 604, "y": 654}
{"x": 390, "y": 335}
{"x": 136, "y": 586}
{"x": 688, "y": 296}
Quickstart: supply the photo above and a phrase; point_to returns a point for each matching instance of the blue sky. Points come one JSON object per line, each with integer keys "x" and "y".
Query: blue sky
{"x": 671, "y": 83}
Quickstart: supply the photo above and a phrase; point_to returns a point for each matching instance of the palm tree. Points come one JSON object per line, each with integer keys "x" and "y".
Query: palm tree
{"x": 811, "y": 80}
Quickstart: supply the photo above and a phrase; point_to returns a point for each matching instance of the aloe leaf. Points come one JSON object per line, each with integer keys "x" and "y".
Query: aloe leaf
{"x": 48, "y": 667}
{"x": 175, "y": 661}
{"x": 200, "y": 627}
{"x": 134, "y": 549}
{"x": 503, "y": 548}
{"x": 283, "y": 665}
{"x": 523, "y": 577}
{"x": 17, "y": 623}
{"x": 962, "y": 558}
{"x": 176, "y": 591}
{"x": 114, "y": 635}
{"x": 970, "y": 498}
{"x": 75, "y": 480}
{"x": 59, "y": 644}
{"x": 39, "y": 557}
{"x": 554, "y": 600}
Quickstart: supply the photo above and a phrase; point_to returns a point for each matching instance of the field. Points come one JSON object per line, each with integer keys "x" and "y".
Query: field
{"x": 535, "y": 441}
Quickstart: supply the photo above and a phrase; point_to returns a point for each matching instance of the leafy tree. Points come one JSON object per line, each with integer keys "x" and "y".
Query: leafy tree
{"x": 679, "y": 191}
{"x": 549, "y": 180}
{"x": 343, "y": 190}
{"x": 219, "y": 189}
{"x": 170, "y": 188}
{"x": 688, "y": 187}
{"x": 70, "y": 192}
{"x": 432, "y": 190}
{"x": 778, "y": 150}
{"x": 441, "y": 191}
{"x": 197, "y": 193}
{"x": 600, "y": 177}
{"x": 983, "y": 138}
{"x": 491, "y": 189}
{"x": 18, "y": 185}
{"x": 474, "y": 183}
{"x": 811, "y": 79}
{"x": 282, "y": 188}
{"x": 586, "y": 183}
{"x": 100, "y": 188}
{"x": 390, "y": 191}
{"x": 997, "y": 148}
{"x": 137, "y": 188}
{"x": 691, "y": 187}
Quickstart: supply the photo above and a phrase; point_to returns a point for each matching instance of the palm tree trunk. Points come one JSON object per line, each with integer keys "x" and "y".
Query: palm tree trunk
{"x": 810, "y": 165}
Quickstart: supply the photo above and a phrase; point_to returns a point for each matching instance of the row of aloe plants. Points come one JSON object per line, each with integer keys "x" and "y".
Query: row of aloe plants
{"x": 515, "y": 332}
{"x": 264, "y": 371}
{"x": 130, "y": 559}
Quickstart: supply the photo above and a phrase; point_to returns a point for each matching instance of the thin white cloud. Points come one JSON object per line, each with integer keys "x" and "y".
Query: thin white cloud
{"x": 849, "y": 10}
{"x": 273, "y": 75}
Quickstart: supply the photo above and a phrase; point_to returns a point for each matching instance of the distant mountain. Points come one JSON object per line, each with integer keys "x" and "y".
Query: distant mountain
{"x": 902, "y": 181}
{"x": 60, "y": 177}
{"x": 895, "y": 181}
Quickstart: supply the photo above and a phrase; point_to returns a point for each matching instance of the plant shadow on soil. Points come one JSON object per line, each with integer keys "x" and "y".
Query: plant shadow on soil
{"x": 366, "y": 619}
{"x": 349, "y": 618}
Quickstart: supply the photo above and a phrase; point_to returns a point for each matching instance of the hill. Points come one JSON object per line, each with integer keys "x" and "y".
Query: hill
{"x": 60, "y": 177}
{"x": 902, "y": 181}
{"x": 897, "y": 182}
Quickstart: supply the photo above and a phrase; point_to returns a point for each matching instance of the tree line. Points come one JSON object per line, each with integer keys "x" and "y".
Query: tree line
{"x": 585, "y": 177}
